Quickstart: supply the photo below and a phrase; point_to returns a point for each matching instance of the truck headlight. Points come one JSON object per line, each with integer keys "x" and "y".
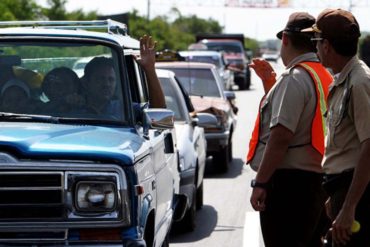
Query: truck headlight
{"x": 95, "y": 196}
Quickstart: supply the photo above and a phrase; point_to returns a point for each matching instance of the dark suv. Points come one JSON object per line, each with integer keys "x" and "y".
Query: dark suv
{"x": 70, "y": 174}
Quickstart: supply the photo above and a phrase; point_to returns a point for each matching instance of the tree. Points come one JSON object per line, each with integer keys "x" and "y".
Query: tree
{"x": 194, "y": 25}
{"x": 11, "y": 10}
{"x": 177, "y": 35}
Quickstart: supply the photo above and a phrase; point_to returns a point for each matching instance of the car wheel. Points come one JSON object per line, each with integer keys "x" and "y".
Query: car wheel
{"x": 200, "y": 196}
{"x": 242, "y": 84}
{"x": 248, "y": 82}
{"x": 230, "y": 147}
{"x": 188, "y": 222}
{"x": 221, "y": 159}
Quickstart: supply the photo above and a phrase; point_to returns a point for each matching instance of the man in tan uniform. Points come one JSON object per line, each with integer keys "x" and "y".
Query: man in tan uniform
{"x": 347, "y": 153}
{"x": 287, "y": 188}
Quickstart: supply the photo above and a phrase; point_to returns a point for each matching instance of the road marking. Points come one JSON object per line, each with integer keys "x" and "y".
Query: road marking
{"x": 251, "y": 234}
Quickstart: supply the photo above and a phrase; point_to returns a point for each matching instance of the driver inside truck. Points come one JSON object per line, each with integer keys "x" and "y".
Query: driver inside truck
{"x": 99, "y": 81}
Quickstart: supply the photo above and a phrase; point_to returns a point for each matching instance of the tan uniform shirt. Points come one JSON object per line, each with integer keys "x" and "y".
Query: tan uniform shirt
{"x": 291, "y": 103}
{"x": 348, "y": 121}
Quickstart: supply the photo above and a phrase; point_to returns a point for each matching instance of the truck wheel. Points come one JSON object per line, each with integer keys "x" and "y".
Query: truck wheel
{"x": 200, "y": 196}
{"x": 221, "y": 159}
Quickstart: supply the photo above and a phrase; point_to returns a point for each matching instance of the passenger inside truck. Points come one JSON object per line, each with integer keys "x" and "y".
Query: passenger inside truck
{"x": 14, "y": 97}
{"x": 61, "y": 91}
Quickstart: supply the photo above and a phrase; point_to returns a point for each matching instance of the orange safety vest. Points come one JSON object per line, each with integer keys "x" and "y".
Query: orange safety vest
{"x": 322, "y": 79}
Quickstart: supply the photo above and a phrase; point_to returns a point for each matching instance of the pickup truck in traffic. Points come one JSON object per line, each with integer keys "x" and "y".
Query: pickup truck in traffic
{"x": 74, "y": 174}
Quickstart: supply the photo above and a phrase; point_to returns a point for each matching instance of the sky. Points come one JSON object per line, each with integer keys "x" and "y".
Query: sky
{"x": 260, "y": 23}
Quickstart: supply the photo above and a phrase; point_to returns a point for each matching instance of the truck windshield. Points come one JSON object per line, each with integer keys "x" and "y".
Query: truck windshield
{"x": 61, "y": 79}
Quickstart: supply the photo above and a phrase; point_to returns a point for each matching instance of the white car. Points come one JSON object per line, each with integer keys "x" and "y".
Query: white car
{"x": 204, "y": 86}
{"x": 191, "y": 144}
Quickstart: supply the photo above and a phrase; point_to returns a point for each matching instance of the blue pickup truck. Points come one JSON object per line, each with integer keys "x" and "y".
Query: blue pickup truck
{"x": 72, "y": 174}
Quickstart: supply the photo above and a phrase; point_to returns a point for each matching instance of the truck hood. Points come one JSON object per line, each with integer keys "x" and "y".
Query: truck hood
{"x": 43, "y": 140}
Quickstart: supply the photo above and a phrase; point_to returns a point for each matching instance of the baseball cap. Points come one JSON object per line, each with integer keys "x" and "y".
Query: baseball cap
{"x": 336, "y": 24}
{"x": 296, "y": 22}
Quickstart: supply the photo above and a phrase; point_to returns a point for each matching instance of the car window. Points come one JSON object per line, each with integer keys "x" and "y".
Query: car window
{"x": 52, "y": 81}
{"x": 200, "y": 82}
{"x": 172, "y": 99}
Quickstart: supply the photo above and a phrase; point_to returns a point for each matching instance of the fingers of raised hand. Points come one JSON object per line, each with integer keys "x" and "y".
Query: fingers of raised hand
{"x": 341, "y": 234}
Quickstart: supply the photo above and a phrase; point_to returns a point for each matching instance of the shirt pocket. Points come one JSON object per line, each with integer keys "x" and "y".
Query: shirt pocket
{"x": 335, "y": 124}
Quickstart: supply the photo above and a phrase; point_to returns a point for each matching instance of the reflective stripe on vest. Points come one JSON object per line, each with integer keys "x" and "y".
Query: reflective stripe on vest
{"x": 322, "y": 79}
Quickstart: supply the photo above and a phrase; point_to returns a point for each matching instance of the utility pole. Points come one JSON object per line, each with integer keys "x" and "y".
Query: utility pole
{"x": 148, "y": 14}
{"x": 350, "y": 6}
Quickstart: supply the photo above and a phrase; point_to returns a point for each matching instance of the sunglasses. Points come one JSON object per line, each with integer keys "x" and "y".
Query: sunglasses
{"x": 315, "y": 39}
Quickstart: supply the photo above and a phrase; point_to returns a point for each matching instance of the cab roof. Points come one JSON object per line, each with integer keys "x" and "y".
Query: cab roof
{"x": 79, "y": 32}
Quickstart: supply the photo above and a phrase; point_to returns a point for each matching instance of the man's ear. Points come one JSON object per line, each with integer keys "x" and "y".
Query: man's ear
{"x": 284, "y": 39}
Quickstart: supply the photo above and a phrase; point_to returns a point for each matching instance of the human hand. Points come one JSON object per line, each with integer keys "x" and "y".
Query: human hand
{"x": 147, "y": 52}
{"x": 341, "y": 227}
{"x": 258, "y": 198}
{"x": 264, "y": 71}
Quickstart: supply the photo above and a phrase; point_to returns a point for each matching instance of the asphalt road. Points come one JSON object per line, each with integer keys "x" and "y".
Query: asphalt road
{"x": 227, "y": 218}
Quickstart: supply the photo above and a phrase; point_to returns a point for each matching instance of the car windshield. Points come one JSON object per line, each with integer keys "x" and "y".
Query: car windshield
{"x": 172, "y": 99}
{"x": 199, "y": 82}
{"x": 204, "y": 59}
{"x": 52, "y": 79}
{"x": 228, "y": 47}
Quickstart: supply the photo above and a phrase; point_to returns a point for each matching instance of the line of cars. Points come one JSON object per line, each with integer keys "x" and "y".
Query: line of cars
{"x": 237, "y": 56}
{"x": 205, "y": 119}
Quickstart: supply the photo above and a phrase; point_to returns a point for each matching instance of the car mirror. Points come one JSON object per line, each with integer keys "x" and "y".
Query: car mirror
{"x": 158, "y": 118}
{"x": 206, "y": 120}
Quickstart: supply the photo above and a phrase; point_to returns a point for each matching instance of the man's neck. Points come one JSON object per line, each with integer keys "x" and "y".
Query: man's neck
{"x": 339, "y": 62}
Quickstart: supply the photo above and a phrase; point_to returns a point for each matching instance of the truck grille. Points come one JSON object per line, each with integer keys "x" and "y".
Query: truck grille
{"x": 31, "y": 195}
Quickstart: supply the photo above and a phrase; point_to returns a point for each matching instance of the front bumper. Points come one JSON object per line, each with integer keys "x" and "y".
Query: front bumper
{"x": 216, "y": 141}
